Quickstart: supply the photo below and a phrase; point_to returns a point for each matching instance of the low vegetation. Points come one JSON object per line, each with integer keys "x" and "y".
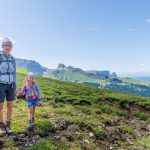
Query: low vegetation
{"x": 75, "y": 116}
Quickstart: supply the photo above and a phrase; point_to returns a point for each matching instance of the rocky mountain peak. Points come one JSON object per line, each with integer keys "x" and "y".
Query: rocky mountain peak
{"x": 61, "y": 66}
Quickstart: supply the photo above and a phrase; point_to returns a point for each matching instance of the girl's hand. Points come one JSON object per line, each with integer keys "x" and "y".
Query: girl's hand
{"x": 39, "y": 102}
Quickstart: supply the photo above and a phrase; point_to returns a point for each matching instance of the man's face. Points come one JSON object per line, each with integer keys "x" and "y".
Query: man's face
{"x": 7, "y": 48}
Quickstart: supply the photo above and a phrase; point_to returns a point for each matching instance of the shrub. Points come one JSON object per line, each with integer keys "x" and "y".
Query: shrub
{"x": 44, "y": 127}
{"x": 142, "y": 116}
{"x": 43, "y": 144}
{"x": 100, "y": 133}
{"x": 125, "y": 129}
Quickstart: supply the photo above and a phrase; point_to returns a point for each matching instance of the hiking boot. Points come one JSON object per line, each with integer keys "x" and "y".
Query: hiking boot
{"x": 8, "y": 127}
{"x": 30, "y": 124}
{"x": 33, "y": 120}
{"x": 2, "y": 128}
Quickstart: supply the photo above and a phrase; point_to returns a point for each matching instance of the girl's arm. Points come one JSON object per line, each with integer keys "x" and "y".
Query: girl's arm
{"x": 39, "y": 93}
{"x": 23, "y": 89}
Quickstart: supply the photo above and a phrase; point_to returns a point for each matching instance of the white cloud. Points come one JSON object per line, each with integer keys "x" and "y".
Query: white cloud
{"x": 142, "y": 65}
{"x": 93, "y": 29}
{"x": 1, "y": 38}
{"x": 148, "y": 20}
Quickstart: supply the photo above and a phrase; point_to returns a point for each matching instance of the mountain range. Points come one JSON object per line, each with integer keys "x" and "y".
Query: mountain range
{"x": 31, "y": 65}
{"x": 100, "y": 79}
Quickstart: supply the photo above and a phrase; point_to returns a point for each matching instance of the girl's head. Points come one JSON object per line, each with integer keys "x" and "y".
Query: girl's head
{"x": 7, "y": 45}
{"x": 30, "y": 77}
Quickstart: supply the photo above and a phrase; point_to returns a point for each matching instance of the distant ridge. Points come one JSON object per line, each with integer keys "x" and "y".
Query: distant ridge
{"x": 31, "y": 65}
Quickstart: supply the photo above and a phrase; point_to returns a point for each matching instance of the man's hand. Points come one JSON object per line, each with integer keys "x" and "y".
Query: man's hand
{"x": 17, "y": 91}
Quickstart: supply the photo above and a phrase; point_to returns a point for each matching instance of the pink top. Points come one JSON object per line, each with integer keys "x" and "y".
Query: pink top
{"x": 31, "y": 93}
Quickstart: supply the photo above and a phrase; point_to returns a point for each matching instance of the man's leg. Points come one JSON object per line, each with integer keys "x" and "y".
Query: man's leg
{"x": 2, "y": 99}
{"x": 10, "y": 97}
{"x": 9, "y": 110}
{"x": 9, "y": 116}
{"x": 1, "y": 112}
{"x": 2, "y": 125}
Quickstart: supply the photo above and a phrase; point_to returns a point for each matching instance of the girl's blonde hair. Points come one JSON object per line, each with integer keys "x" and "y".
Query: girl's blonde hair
{"x": 25, "y": 82}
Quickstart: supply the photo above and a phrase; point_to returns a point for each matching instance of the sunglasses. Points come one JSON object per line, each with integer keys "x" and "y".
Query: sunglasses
{"x": 8, "y": 45}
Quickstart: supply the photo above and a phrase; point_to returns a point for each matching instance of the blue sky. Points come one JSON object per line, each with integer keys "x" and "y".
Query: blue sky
{"x": 91, "y": 34}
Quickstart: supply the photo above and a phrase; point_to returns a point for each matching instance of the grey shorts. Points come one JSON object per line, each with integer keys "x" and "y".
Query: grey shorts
{"x": 8, "y": 91}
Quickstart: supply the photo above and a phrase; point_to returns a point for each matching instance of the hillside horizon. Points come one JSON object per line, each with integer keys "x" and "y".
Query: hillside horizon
{"x": 100, "y": 79}
{"x": 76, "y": 116}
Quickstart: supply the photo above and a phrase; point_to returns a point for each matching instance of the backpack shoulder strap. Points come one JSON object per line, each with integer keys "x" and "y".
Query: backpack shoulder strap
{"x": 1, "y": 53}
{"x": 36, "y": 86}
{"x": 0, "y": 56}
{"x": 25, "y": 89}
{"x": 12, "y": 58}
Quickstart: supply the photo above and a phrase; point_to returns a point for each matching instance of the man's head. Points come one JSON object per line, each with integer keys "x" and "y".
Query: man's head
{"x": 7, "y": 45}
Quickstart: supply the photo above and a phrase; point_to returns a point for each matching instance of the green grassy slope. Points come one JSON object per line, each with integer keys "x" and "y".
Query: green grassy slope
{"x": 127, "y": 85}
{"x": 75, "y": 116}
{"x": 68, "y": 75}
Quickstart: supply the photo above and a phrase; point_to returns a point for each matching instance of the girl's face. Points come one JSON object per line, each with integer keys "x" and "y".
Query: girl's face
{"x": 30, "y": 79}
{"x": 7, "y": 48}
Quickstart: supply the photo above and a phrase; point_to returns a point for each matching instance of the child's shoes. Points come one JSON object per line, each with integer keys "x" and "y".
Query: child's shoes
{"x": 30, "y": 124}
{"x": 33, "y": 120}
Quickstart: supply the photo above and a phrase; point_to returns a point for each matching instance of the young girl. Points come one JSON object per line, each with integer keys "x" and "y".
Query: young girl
{"x": 32, "y": 94}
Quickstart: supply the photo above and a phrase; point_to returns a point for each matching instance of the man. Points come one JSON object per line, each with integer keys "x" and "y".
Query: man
{"x": 7, "y": 84}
